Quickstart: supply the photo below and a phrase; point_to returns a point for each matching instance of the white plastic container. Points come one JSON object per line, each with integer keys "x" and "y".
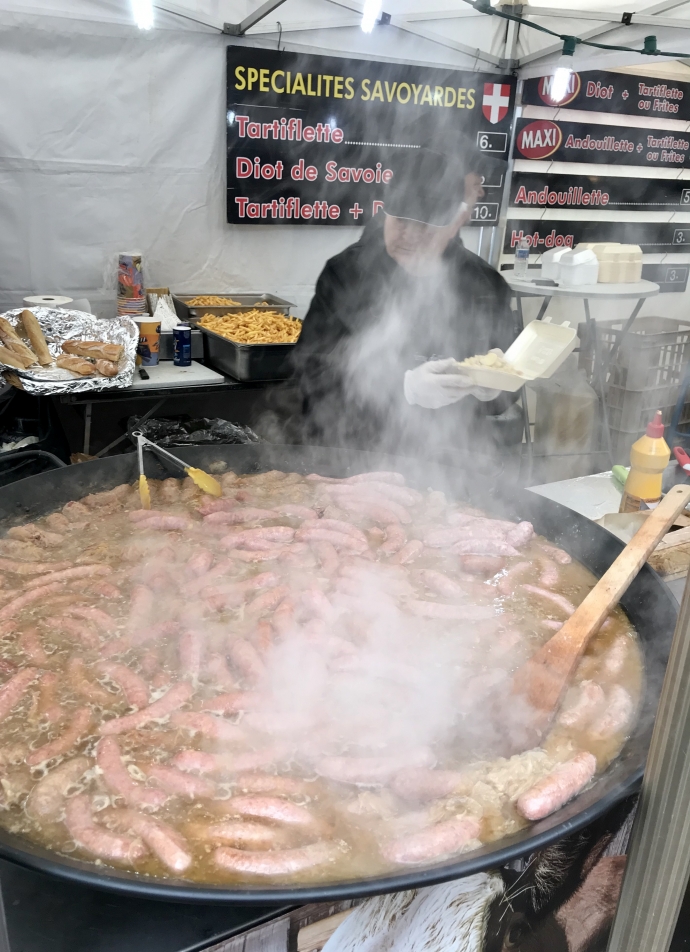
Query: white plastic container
{"x": 551, "y": 263}
{"x": 538, "y": 352}
{"x": 618, "y": 263}
{"x": 578, "y": 268}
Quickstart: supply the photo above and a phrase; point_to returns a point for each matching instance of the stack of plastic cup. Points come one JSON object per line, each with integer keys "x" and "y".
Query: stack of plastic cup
{"x": 131, "y": 295}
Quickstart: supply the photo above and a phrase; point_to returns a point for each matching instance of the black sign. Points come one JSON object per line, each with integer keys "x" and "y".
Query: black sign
{"x": 610, "y": 145}
{"x": 535, "y": 190}
{"x": 671, "y": 278}
{"x": 315, "y": 140}
{"x": 598, "y": 91}
{"x": 651, "y": 236}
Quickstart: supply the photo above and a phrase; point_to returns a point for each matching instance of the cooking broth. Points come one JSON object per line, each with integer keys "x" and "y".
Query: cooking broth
{"x": 328, "y": 688}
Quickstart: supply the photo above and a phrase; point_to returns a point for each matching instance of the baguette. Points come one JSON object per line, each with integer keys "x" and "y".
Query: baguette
{"x": 11, "y": 359}
{"x": 38, "y": 342}
{"x": 94, "y": 348}
{"x": 107, "y": 368}
{"x": 77, "y": 365}
{"x": 12, "y": 341}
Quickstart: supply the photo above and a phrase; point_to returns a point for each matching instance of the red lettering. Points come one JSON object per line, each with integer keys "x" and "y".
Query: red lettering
{"x": 311, "y": 173}
{"x": 309, "y": 133}
{"x": 334, "y": 212}
{"x": 243, "y": 167}
{"x": 242, "y": 123}
{"x": 242, "y": 203}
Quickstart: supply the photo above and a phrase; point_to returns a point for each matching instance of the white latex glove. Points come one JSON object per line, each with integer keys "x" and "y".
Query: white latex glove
{"x": 439, "y": 383}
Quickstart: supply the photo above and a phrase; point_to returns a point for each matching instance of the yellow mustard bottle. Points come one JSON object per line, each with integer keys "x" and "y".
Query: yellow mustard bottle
{"x": 649, "y": 457}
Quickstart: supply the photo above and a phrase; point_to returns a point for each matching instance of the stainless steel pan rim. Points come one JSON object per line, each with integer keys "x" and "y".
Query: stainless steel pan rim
{"x": 648, "y": 602}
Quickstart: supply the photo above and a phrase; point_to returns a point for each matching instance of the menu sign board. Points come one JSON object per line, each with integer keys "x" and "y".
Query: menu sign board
{"x": 317, "y": 140}
{"x": 546, "y": 190}
{"x": 620, "y": 93}
{"x": 608, "y": 145}
{"x": 544, "y": 234}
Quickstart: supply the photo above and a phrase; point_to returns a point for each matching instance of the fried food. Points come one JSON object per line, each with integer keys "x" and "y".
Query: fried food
{"x": 97, "y": 349}
{"x": 212, "y": 300}
{"x": 33, "y": 331}
{"x": 254, "y": 327}
{"x": 489, "y": 362}
{"x": 77, "y": 365}
{"x": 12, "y": 341}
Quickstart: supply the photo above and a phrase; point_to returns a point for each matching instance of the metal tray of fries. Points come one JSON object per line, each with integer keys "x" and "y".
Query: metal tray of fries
{"x": 245, "y": 362}
{"x": 243, "y": 302}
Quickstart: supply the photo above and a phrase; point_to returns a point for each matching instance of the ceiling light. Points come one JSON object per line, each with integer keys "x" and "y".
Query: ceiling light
{"x": 370, "y": 14}
{"x": 564, "y": 71}
{"x": 142, "y": 11}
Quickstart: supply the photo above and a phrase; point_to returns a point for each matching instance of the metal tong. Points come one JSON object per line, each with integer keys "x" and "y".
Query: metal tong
{"x": 203, "y": 480}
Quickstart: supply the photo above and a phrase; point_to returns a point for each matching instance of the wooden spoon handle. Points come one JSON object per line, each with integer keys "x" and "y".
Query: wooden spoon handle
{"x": 543, "y": 678}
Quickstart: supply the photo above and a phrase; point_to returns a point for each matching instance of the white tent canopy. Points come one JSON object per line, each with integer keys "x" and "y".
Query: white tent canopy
{"x": 451, "y": 31}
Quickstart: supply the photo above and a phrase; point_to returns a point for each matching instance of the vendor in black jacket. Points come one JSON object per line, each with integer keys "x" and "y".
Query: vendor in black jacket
{"x": 375, "y": 362}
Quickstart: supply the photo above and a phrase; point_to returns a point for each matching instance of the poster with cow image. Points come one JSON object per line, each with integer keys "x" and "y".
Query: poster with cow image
{"x": 316, "y": 140}
{"x": 542, "y": 139}
{"x": 619, "y": 93}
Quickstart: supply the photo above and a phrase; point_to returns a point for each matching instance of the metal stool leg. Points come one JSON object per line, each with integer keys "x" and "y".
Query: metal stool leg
{"x": 528, "y": 437}
{"x": 598, "y": 381}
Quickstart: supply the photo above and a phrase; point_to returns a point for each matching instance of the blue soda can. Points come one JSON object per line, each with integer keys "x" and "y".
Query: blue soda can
{"x": 182, "y": 344}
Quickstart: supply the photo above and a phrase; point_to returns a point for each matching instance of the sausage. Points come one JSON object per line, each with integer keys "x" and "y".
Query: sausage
{"x": 78, "y": 726}
{"x": 273, "y": 783}
{"x": 77, "y": 628}
{"x": 12, "y": 692}
{"x": 163, "y": 840}
{"x": 520, "y": 534}
{"x": 167, "y": 523}
{"x": 340, "y": 540}
{"x": 275, "y": 809}
{"x": 30, "y": 644}
{"x": 395, "y": 479}
{"x": 410, "y": 552}
{"x": 200, "y": 563}
{"x": 101, "y": 619}
{"x": 79, "y": 571}
{"x": 75, "y": 511}
{"x": 197, "y": 761}
{"x": 35, "y": 595}
{"x": 618, "y": 714}
{"x": 466, "y": 612}
{"x": 293, "y": 511}
{"x": 48, "y": 706}
{"x": 97, "y": 840}
{"x": 245, "y": 658}
{"x": 31, "y": 533}
{"x": 441, "y": 584}
{"x": 440, "y": 841}
{"x": 217, "y": 671}
{"x": 117, "y": 778}
{"x": 31, "y": 568}
{"x": 496, "y": 547}
{"x": 370, "y": 771}
{"x": 76, "y": 673}
{"x": 254, "y": 555}
{"x": 485, "y": 566}
{"x": 327, "y": 555}
{"x": 200, "y": 722}
{"x": 377, "y": 508}
{"x": 238, "y": 516}
{"x": 231, "y": 703}
{"x": 132, "y": 685}
{"x": 400, "y": 494}
{"x": 558, "y": 555}
{"x": 315, "y": 603}
{"x": 549, "y": 574}
{"x": 141, "y": 607}
{"x": 589, "y": 700}
{"x": 616, "y": 656}
{"x": 281, "y": 534}
{"x": 267, "y": 601}
{"x": 216, "y": 505}
{"x": 395, "y": 539}
{"x": 48, "y": 796}
{"x": 557, "y": 787}
{"x": 56, "y": 520}
{"x": 508, "y": 583}
{"x": 191, "y": 648}
{"x": 336, "y": 525}
{"x": 275, "y": 862}
{"x": 242, "y": 834}
{"x": 105, "y": 589}
{"x": 283, "y": 619}
{"x": 178, "y": 695}
{"x": 560, "y": 601}
{"x": 175, "y": 781}
{"x": 422, "y": 784}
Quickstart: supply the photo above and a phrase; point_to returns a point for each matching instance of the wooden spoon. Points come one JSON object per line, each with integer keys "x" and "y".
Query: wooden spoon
{"x": 542, "y": 680}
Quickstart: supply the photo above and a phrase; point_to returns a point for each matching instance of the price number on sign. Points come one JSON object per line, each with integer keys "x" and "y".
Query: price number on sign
{"x": 685, "y": 196}
{"x": 676, "y": 276}
{"x": 486, "y": 213}
{"x": 492, "y": 141}
{"x": 681, "y": 236}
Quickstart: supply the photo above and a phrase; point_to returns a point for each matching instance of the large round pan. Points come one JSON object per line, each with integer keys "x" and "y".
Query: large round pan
{"x": 648, "y": 603}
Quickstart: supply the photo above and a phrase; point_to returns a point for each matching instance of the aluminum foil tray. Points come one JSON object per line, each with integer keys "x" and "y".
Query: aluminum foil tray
{"x": 60, "y": 325}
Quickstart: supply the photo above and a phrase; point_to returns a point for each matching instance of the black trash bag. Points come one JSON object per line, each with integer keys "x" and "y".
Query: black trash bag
{"x": 181, "y": 431}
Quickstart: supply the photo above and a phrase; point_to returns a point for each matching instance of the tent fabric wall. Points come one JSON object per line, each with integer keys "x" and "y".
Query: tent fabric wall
{"x": 114, "y": 140}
